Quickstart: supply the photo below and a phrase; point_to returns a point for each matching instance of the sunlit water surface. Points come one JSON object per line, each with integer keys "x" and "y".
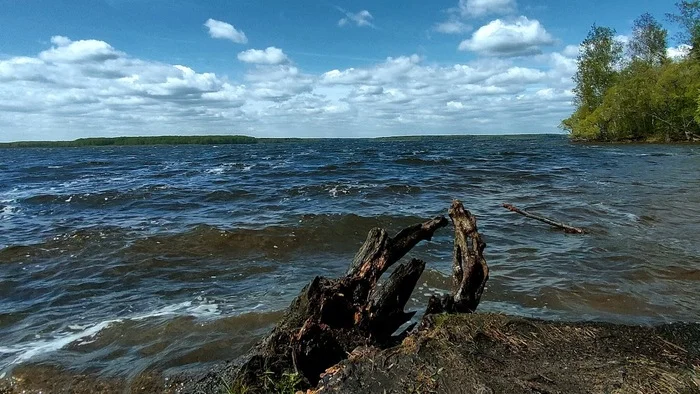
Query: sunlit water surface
{"x": 125, "y": 259}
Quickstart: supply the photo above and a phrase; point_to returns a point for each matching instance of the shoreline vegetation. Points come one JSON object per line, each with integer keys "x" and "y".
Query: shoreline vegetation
{"x": 247, "y": 140}
{"x": 222, "y": 140}
{"x": 634, "y": 91}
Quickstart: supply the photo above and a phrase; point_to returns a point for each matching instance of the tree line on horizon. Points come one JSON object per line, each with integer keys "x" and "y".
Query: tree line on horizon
{"x": 131, "y": 141}
{"x": 634, "y": 91}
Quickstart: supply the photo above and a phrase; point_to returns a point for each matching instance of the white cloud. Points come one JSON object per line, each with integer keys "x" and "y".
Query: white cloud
{"x": 67, "y": 51}
{"x": 77, "y": 91}
{"x": 452, "y": 27}
{"x": 226, "y": 31}
{"x": 571, "y": 51}
{"x": 520, "y": 37}
{"x": 622, "y": 39}
{"x": 516, "y": 75}
{"x": 360, "y": 19}
{"x": 477, "y": 8}
{"x": 455, "y": 104}
{"x": 60, "y": 41}
{"x": 678, "y": 52}
{"x": 270, "y": 55}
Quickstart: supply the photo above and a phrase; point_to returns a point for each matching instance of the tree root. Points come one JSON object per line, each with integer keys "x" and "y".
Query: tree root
{"x": 332, "y": 317}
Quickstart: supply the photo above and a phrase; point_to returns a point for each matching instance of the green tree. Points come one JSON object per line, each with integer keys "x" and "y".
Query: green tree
{"x": 674, "y": 101}
{"x": 648, "y": 43}
{"x": 627, "y": 106}
{"x": 688, "y": 18}
{"x": 598, "y": 65}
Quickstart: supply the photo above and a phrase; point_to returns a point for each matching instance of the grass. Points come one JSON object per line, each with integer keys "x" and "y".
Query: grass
{"x": 287, "y": 384}
{"x": 237, "y": 387}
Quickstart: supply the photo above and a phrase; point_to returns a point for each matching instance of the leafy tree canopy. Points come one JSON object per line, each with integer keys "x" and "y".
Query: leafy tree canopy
{"x": 645, "y": 96}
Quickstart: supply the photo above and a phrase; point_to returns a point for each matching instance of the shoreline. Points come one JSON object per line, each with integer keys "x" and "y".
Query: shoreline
{"x": 481, "y": 352}
{"x": 177, "y": 140}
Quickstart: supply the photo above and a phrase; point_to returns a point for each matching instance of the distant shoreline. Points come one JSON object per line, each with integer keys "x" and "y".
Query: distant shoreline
{"x": 247, "y": 140}
{"x": 227, "y": 140}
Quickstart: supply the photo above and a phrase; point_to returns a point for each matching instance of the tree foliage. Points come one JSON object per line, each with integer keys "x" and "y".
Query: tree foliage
{"x": 128, "y": 141}
{"x": 688, "y": 18}
{"x": 649, "y": 41}
{"x": 649, "y": 98}
{"x": 600, "y": 54}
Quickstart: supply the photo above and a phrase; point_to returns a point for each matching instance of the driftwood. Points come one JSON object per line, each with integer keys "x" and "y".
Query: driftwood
{"x": 469, "y": 269}
{"x": 332, "y": 317}
{"x": 565, "y": 227}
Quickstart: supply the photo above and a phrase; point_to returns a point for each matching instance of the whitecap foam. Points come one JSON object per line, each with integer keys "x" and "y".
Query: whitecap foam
{"x": 82, "y": 334}
{"x": 614, "y": 211}
{"x": 8, "y": 210}
{"x": 26, "y": 351}
{"x": 216, "y": 170}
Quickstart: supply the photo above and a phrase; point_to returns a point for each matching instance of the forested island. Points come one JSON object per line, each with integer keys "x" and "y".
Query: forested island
{"x": 634, "y": 91}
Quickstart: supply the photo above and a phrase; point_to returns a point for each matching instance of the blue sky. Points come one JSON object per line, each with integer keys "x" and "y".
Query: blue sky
{"x": 71, "y": 69}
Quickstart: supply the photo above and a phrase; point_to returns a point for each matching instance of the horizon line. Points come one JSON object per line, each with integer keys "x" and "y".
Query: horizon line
{"x": 280, "y": 138}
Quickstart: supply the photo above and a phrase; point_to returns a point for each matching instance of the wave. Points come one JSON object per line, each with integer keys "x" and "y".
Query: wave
{"x": 8, "y": 210}
{"x": 339, "y": 189}
{"x": 96, "y": 199}
{"x": 227, "y": 167}
{"x": 308, "y": 235}
{"x": 227, "y": 195}
{"x": 81, "y": 334}
{"x": 417, "y": 161}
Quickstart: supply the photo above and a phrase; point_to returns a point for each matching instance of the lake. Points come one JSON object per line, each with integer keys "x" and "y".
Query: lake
{"x": 120, "y": 260}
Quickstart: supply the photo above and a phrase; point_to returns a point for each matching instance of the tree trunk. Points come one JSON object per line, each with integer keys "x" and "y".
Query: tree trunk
{"x": 469, "y": 269}
{"x": 332, "y": 317}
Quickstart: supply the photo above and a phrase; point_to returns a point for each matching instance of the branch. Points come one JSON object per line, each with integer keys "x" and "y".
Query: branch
{"x": 565, "y": 227}
{"x": 386, "y": 304}
{"x": 379, "y": 252}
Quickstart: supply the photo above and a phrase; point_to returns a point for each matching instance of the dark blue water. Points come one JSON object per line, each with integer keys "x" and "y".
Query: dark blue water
{"x": 125, "y": 259}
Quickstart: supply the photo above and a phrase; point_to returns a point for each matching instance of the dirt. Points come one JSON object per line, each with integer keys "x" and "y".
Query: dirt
{"x": 488, "y": 353}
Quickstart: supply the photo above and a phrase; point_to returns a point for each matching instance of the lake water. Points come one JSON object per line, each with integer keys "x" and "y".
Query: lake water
{"x": 122, "y": 260}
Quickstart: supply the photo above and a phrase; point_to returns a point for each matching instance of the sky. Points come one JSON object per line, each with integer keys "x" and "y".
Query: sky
{"x": 86, "y": 68}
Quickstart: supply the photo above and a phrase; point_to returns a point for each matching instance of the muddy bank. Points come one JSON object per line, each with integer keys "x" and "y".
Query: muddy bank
{"x": 486, "y": 353}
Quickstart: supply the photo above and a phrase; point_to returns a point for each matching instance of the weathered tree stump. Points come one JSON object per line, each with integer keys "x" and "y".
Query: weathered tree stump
{"x": 332, "y": 317}
{"x": 469, "y": 268}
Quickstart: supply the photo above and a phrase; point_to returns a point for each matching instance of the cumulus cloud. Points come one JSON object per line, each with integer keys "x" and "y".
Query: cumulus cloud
{"x": 678, "y": 52}
{"x": 94, "y": 89}
{"x": 270, "y": 55}
{"x": 521, "y": 37}
{"x": 452, "y": 27}
{"x": 478, "y": 8}
{"x": 360, "y": 19}
{"x": 226, "y": 31}
{"x": 571, "y": 51}
{"x": 67, "y": 51}
{"x": 622, "y": 39}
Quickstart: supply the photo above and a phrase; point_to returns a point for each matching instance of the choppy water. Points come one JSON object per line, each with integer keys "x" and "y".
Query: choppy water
{"x": 124, "y": 259}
